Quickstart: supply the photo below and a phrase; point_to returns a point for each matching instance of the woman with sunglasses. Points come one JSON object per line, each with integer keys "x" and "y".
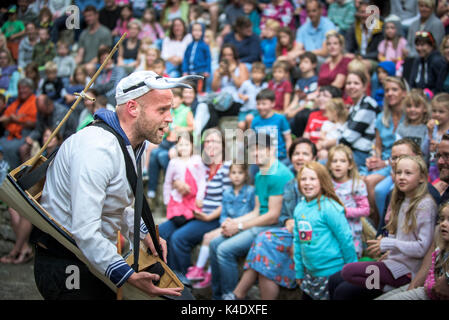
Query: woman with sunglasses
{"x": 427, "y": 67}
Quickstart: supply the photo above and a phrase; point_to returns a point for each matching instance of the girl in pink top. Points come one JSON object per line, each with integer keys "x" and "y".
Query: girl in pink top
{"x": 392, "y": 48}
{"x": 190, "y": 169}
{"x": 151, "y": 29}
{"x": 126, "y": 15}
{"x": 351, "y": 190}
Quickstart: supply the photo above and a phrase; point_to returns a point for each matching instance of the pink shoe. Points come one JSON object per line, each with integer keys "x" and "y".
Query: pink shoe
{"x": 205, "y": 283}
{"x": 194, "y": 273}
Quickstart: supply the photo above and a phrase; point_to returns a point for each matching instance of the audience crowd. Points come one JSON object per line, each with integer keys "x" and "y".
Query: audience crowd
{"x": 350, "y": 115}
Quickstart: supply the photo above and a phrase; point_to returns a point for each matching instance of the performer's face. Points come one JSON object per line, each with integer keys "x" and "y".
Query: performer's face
{"x": 154, "y": 115}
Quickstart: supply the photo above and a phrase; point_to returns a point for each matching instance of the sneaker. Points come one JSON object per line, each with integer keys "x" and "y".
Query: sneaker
{"x": 194, "y": 273}
{"x": 229, "y": 296}
{"x": 151, "y": 194}
{"x": 205, "y": 283}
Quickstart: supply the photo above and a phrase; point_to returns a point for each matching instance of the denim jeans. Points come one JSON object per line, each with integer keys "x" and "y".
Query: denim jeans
{"x": 158, "y": 161}
{"x": 224, "y": 253}
{"x": 180, "y": 241}
{"x": 172, "y": 70}
{"x": 360, "y": 160}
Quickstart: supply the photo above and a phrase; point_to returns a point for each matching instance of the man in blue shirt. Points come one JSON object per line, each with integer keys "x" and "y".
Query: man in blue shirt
{"x": 312, "y": 34}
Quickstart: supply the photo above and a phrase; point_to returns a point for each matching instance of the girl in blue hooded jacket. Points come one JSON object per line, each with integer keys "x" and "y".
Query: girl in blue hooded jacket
{"x": 323, "y": 241}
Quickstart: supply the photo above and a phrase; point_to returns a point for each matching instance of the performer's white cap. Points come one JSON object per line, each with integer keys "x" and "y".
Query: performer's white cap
{"x": 140, "y": 82}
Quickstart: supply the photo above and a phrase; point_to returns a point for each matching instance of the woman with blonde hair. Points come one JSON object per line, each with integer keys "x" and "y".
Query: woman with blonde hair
{"x": 386, "y": 126}
{"x": 335, "y": 69}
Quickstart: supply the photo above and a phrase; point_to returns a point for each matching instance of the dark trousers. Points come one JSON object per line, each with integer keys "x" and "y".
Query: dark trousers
{"x": 54, "y": 273}
{"x": 339, "y": 289}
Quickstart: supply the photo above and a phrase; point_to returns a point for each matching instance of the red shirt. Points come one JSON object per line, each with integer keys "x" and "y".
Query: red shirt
{"x": 326, "y": 76}
{"x": 280, "y": 89}
{"x": 314, "y": 124}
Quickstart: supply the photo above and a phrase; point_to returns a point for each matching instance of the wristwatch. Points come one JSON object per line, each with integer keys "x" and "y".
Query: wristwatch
{"x": 240, "y": 226}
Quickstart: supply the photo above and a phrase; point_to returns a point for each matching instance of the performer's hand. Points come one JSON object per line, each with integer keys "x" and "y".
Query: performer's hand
{"x": 149, "y": 243}
{"x": 144, "y": 281}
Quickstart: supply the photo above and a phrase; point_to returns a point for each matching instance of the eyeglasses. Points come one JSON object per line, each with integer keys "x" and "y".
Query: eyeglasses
{"x": 444, "y": 156}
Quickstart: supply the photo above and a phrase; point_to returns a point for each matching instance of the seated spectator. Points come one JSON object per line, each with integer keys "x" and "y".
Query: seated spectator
{"x": 429, "y": 63}
{"x": 238, "y": 200}
{"x": 393, "y": 47}
{"x": 269, "y": 43}
{"x": 359, "y": 129}
{"x": 427, "y": 21}
{"x": 148, "y": 57}
{"x": 312, "y": 35}
{"x": 287, "y": 47}
{"x": 252, "y": 13}
{"x": 14, "y": 30}
{"x": 52, "y": 84}
{"x": 77, "y": 84}
{"x": 387, "y": 123}
{"x": 197, "y": 57}
{"x": 335, "y": 68}
{"x": 246, "y": 43}
{"x": 342, "y": 14}
{"x": 238, "y": 233}
{"x": 159, "y": 67}
{"x": 65, "y": 62}
{"x": 267, "y": 245}
{"x": 331, "y": 130}
{"x": 9, "y": 76}
{"x": 18, "y": 122}
{"x": 281, "y": 85}
{"x": 45, "y": 19}
{"x": 49, "y": 115}
{"x": 126, "y": 16}
{"x": 407, "y": 11}
{"x": 174, "y": 47}
{"x": 214, "y": 8}
{"x": 443, "y": 79}
{"x": 109, "y": 77}
{"x": 248, "y": 92}
{"x": 159, "y": 157}
{"x": 182, "y": 240}
{"x": 27, "y": 44}
{"x": 305, "y": 86}
{"x": 44, "y": 50}
{"x": 232, "y": 11}
{"x": 25, "y": 12}
{"x": 174, "y": 9}
{"x": 94, "y": 33}
{"x": 32, "y": 72}
{"x": 281, "y": 11}
{"x": 151, "y": 29}
{"x": 128, "y": 52}
{"x": 109, "y": 14}
{"x": 384, "y": 69}
{"x": 371, "y": 36}
{"x": 231, "y": 73}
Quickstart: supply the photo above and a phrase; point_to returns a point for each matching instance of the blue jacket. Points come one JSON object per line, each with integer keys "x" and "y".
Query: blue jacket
{"x": 234, "y": 206}
{"x": 197, "y": 58}
{"x": 323, "y": 241}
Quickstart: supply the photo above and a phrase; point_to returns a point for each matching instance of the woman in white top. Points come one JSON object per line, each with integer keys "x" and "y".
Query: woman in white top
{"x": 174, "y": 46}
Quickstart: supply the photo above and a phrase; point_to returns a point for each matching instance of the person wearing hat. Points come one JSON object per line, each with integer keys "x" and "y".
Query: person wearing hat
{"x": 88, "y": 193}
{"x": 14, "y": 30}
{"x": 427, "y": 66}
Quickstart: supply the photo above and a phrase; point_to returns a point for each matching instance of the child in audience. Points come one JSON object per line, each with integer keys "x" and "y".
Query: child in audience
{"x": 287, "y": 49}
{"x": 437, "y": 126}
{"x": 411, "y": 224}
{"x": 249, "y": 8}
{"x": 209, "y": 38}
{"x": 65, "y": 62}
{"x": 438, "y": 269}
{"x": 384, "y": 70}
{"x": 281, "y": 86}
{"x": 238, "y": 200}
{"x": 52, "y": 85}
{"x": 417, "y": 114}
{"x": 126, "y": 15}
{"x": 188, "y": 168}
{"x": 336, "y": 114}
{"x": 323, "y": 241}
{"x": 307, "y": 84}
{"x": 269, "y": 42}
{"x": 148, "y": 58}
{"x": 350, "y": 189}
{"x": 197, "y": 58}
{"x": 159, "y": 67}
{"x": 44, "y": 50}
{"x": 392, "y": 48}
{"x": 159, "y": 157}
{"x": 77, "y": 84}
{"x": 151, "y": 29}
{"x": 248, "y": 92}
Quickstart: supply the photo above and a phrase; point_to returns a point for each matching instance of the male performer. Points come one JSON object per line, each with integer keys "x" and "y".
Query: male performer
{"x": 87, "y": 192}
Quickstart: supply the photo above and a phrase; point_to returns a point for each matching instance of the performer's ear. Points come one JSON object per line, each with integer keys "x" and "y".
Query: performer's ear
{"x": 131, "y": 108}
